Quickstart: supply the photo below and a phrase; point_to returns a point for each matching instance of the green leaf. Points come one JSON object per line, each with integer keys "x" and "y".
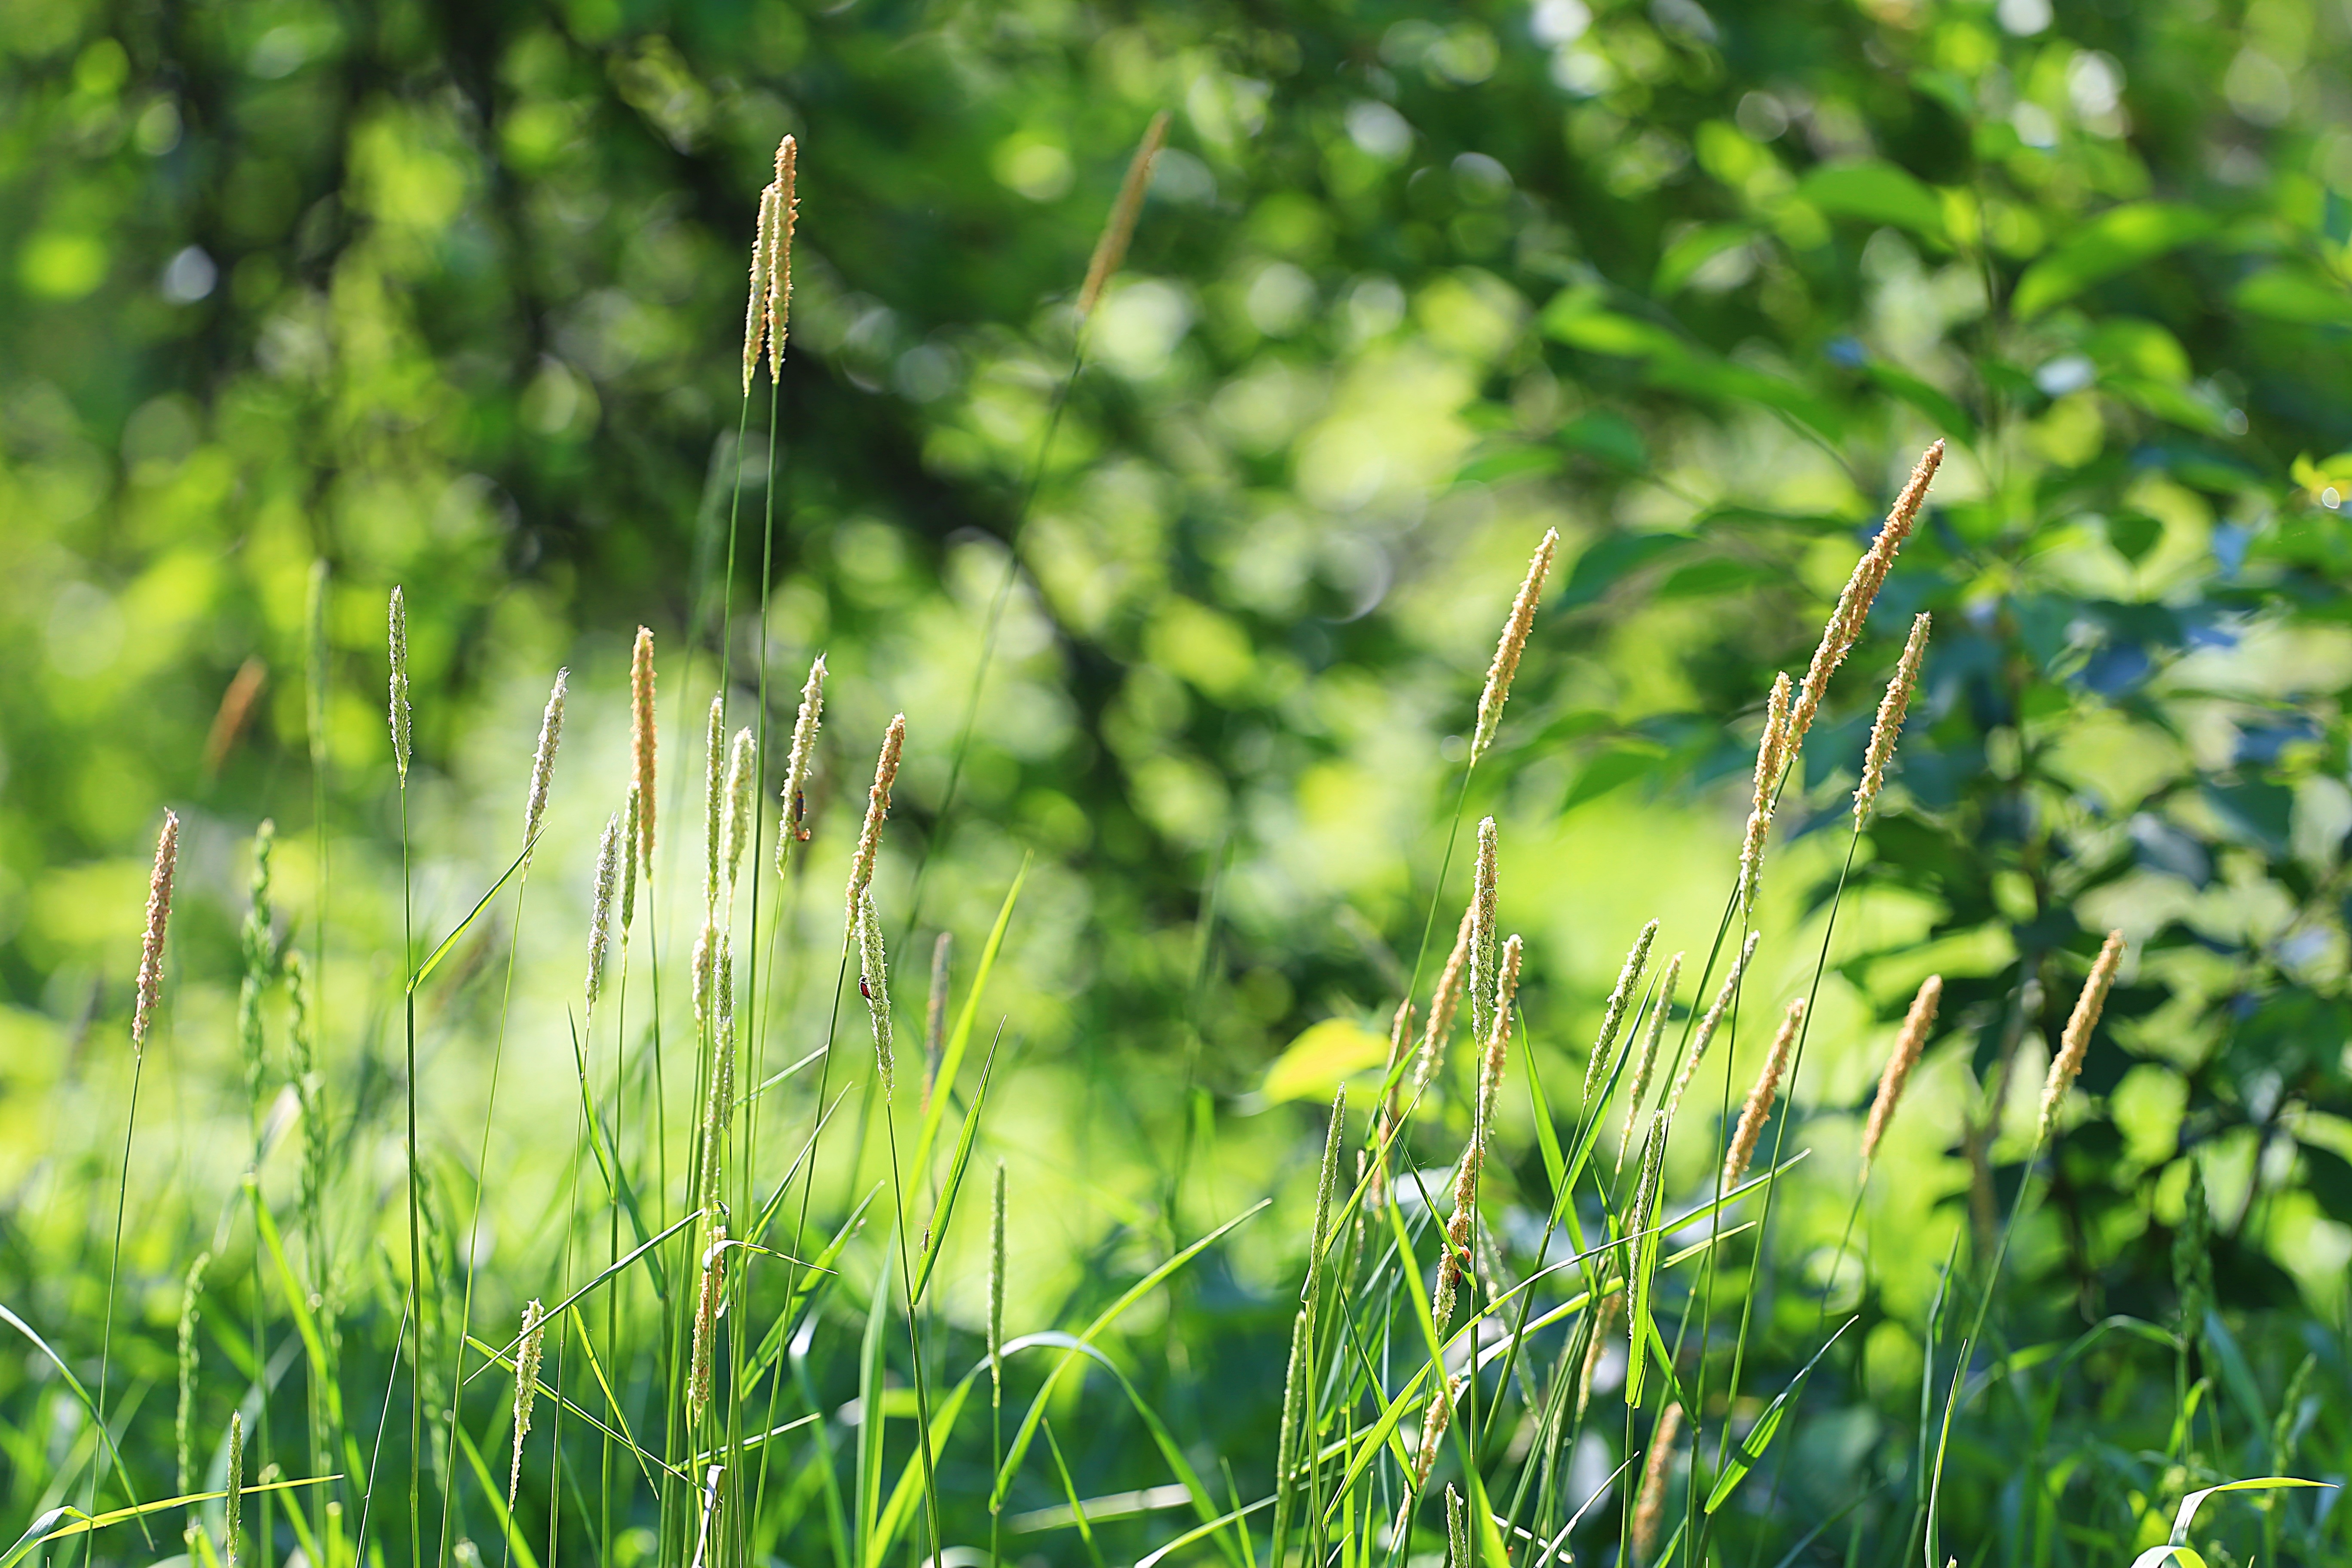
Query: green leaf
{"x": 1611, "y": 560}
{"x": 1875, "y": 191}
{"x": 2294, "y": 295}
{"x": 1607, "y": 332}
{"x": 1609, "y": 436}
{"x": 1323, "y": 1054}
{"x": 1941, "y": 411}
{"x": 1505, "y": 463}
{"x": 1617, "y": 766}
{"x": 1694, "y": 250}
{"x": 2116, "y": 242}
{"x": 2190, "y": 1504}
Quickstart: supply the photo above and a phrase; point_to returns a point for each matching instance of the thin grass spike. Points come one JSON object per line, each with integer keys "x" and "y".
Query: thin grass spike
{"x": 1758, "y": 1107}
{"x": 1889, "y": 724}
{"x": 795, "y": 829}
{"x": 1444, "y": 1003}
{"x": 1771, "y": 753}
{"x": 643, "y": 742}
{"x": 233, "y": 1506}
{"x": 755, "y": 307}
{"x": 397, "y": 637}
{"x": 1844, "y": 625}
{"x": 542, "y": 762}
{"x": 2076, "y": 1043}
{"x": 1612, "y": 1016}
{"x": 1110, "y": 249}
{"x": 527, "y": 1358}
{"x": 878, "y": 811}
{"x": 1646, "y": 1063}
{"x": 609, "y": 851}
{"x": 1482, "y": 932}
{"x": 159, "y": 920}
{"x": 742, "y": 777}
{"x": 1912, "y": 1039}
{"x": 1511, "y": 645}
{"x": 1709, "y": 1025}
{"x": 780, "y": 270}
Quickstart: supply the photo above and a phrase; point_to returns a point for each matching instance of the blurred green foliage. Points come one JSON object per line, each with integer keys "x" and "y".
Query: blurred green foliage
{"x": 447, "y": 295}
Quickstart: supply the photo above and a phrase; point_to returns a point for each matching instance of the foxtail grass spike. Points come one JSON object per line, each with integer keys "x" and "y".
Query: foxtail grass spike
{"x": 600, "y": 915}
{"x": 878, "y": 810}
{"x": 542, "y": 762}
{"x": 795, "y": 831}
{"x": 1889, "y": 725}
{"x": 397, "y": 637}
{"x": 1759, "y": 1107}
{"x": 718, "y": 1114}
{"x": 743, "y": 778}
{"x": 1612, "y": 1016}
{"x": 874, "y": 983}
{"x": 1710, "y": 1023}
{"x": 1845, "y": 624}
{"x": 1110, "y": 250}
{"x": 631, "y": 815}
{"x": 1444, "y": 1003}
{"x": 643, "y": 742}
{"x": 755, "y": 307}
{"x": 159, "y": 918}
{"x": 235, "y": 1505}
{"x": 1327, "y": 1182}
{"x": 1603, "y": 1323}
{"x": 527, "y": 1357}
{"x": 1434, "y": 1422}
{"x": 780, "y": 270}
{"x": 1457, "y": 1530}
{"x": 258, "y": 940}
{"x": 1511, "y": 645}
{"x": 1482, "y": 932}
{"x": 1771, "y": 753}
{"x": 191, "y": 1292}
{"x": 1498, "y": 1037}
{"x": 706, "y": 1327}
{"x": 714, "y": 799}
{"x": 1649, "y": 1511}
{"x": 2076, "y": 1043}
{"x": 1646, "y": 1063}
{"x": 996, "y": 1283}
{"x": 704, "y": 959}
{"x": 1913, "y": 1039}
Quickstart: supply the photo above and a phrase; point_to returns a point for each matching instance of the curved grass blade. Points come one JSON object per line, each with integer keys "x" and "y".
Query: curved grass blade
{"x": 45, "y": 1529}
{"x": 937, "y": 1232}
{"x": 442, "y": 951}
{"x": 951, "y": 1056}
{"x": 26, "y": 1329}
{"x": 1751, "y": 1447}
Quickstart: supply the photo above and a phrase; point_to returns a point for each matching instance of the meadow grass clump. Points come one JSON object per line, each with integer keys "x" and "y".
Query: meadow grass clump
{"x": 755, "y": 1306}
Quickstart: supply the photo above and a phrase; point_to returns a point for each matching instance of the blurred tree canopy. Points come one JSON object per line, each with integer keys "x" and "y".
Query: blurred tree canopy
{"x": 449, "y": 295}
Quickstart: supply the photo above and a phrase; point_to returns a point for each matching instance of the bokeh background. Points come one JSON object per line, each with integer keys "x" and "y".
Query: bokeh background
{"x": 450, "y": 296}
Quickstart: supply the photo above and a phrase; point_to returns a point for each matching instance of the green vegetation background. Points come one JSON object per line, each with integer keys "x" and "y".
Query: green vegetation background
{"x": 449, "y": 296}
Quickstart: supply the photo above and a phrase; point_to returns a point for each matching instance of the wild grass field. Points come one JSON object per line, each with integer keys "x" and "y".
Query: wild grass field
{"x": 1532, "y": 784}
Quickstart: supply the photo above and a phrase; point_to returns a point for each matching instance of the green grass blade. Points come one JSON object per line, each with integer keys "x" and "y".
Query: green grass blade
{"x": 936, "y": 1233}
{"x": 442, "y": 951}
{"x": 1751, "y": 1447}
{"x": 952, "y": 1055}
{"x": 515, "y": 1543}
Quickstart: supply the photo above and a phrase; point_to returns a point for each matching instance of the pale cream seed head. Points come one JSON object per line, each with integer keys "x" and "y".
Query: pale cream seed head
{"x": 1511, "y": 645}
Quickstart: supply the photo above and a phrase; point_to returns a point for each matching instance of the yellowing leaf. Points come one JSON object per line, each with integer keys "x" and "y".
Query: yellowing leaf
{"x": 1320, "y": 1056}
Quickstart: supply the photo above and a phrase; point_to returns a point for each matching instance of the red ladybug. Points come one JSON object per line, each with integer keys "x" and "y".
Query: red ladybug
{"x": 864, "y": 989}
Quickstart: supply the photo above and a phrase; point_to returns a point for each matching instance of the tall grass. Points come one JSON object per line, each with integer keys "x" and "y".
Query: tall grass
{"x": 760, "y": 1354}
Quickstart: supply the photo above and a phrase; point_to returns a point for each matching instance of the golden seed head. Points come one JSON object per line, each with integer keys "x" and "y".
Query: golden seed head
{"x": 642, "y": 740}
{"x": 600, "y": 913}
{"x": 398, "y": 638}
{"x": 780, "y": 270}
{"x": 1650, "y": 1512}
{"x": 2076, "y": 1043}
{"x": 794, "y": 829}
{"x": 1771, "y": 757}
{"x": 1513, "y": 642}
{"x": 1908, "y": 1043}
{"x": 1444, "y": 1005}
{"x": 542, "y": 762}
{"x": 1889, "y": 724}
{"x": 1647, "y": 1063}
{"x": 1853, "y": 602}
{"x": 1759, "y": 1107}
{"x": 1110, "y": 249}
{"x": 1612, "y": 1016}
{"x": 159, "y": 918}
{"x": 1498, "y": 1040}
{"x": 755, "y": 309}
{"x": 1482, "y": 929}
{"x": 878, "y": 810}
